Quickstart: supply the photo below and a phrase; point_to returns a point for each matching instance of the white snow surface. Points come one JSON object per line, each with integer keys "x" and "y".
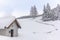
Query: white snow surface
{"x": 32, "y": 30}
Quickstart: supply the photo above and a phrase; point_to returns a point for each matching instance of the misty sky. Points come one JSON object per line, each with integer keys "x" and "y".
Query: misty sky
{"x": 22, "y": 7}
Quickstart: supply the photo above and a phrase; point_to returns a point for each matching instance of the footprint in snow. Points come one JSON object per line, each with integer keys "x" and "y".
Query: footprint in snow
{"x": 34, "y": 32}
{"x": 52, "y": 31}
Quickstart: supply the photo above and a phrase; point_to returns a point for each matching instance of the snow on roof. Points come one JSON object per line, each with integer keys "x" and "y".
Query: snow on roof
{"x": 6, "y": 21}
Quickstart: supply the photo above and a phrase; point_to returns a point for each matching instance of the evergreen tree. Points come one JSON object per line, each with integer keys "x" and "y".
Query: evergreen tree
{"x": 33, "y": 11}
{"x": 46, "y": 14}
{"x": 48, "y": 7}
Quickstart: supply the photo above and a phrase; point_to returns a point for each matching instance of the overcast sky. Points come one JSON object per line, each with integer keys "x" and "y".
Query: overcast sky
{"x": 22, "y": 7}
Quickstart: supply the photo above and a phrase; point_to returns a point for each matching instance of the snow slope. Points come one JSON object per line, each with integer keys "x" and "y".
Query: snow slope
{"x": 32, "y": 30}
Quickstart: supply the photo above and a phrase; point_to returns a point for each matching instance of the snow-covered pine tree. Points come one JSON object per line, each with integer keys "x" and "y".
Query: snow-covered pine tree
{"x": 48, "y": 7}
{"x": 58, "y": 11}
{"x": 33, "y": 11}
{"x": 46, "y": 13}
{"x": 51, "y": 14}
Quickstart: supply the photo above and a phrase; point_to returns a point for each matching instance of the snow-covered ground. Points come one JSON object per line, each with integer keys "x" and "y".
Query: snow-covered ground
{"x": 33, "y": 30}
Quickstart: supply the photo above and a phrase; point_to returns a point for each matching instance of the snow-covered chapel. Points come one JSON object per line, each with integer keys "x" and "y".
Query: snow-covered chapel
{"x": 9, "y": 26}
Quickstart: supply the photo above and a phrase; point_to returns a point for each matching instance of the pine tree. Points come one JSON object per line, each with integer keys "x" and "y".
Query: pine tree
{"x": 46, "y": 12}
{"x": 33, "y": 11}
{"x": 48, "y": 7}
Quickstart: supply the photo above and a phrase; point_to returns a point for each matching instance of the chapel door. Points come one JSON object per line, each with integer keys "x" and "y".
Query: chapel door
{"x": 12, "y": 32}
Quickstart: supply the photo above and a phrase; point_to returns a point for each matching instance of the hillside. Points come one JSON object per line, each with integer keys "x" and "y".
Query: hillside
{"x": 32, "y": 30}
